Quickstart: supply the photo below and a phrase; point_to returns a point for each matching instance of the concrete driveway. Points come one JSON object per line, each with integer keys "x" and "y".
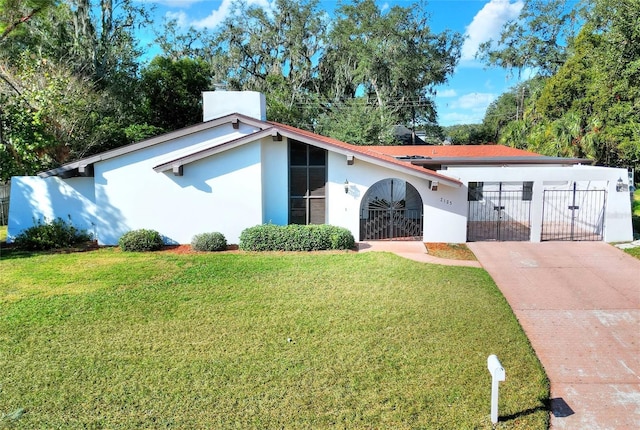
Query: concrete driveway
{"x": 579, "y": 304}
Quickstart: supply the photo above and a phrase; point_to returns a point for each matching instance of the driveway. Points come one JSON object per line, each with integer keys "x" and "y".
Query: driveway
{"x": 579, "y": 304}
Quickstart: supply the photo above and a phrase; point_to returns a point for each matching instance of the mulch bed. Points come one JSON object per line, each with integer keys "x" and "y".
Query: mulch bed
{"x": 453, "y": 251}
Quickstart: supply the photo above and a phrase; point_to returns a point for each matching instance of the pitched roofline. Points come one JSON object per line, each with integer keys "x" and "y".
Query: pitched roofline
{"x": 541, "y": 159}
{"x": 364, "y": 154}
{"x": 177, "y": 163}
{"x": 82, "y": 166}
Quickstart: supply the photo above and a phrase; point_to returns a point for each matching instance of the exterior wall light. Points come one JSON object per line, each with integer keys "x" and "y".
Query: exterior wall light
{"x": 346, "y": 186}
{"x": 620, "y": 186}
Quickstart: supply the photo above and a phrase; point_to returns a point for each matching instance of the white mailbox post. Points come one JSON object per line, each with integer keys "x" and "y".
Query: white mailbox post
{"x": 497, "y": 375}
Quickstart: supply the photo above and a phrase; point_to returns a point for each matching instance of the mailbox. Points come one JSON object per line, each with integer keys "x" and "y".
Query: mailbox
{"x": 497, "y": 376}
{"x": 495, "y": 368}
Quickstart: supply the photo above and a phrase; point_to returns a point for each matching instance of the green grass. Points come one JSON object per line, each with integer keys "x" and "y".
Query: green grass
{"x": 635, "y": 219}
{"x": 635, "y": 252}
{"x": 3, "y": 233}
{"x": 106, "y": 339}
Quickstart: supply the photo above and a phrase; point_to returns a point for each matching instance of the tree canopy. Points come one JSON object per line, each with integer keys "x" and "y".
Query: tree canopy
{"x": 74, "y": 82}
{"x": 585, "y": 102}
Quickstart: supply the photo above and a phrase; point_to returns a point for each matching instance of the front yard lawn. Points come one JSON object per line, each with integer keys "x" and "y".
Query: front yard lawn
{"x": 106, "y": 339}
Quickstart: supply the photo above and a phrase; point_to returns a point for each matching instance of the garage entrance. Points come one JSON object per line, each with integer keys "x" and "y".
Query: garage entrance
{"x": 499, "y": 211}
{"x": 391, "y": 209}
{"x": 573, "y": 214}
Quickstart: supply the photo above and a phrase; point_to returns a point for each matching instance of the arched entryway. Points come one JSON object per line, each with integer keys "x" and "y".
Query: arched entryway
{"x": 391, "y": 209}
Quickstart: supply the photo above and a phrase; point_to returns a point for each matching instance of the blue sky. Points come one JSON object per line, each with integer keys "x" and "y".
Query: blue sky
{"x": 463, "y": 100}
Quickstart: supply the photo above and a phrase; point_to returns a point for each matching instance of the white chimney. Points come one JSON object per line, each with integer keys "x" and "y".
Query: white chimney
{"x": 220, "y": 103}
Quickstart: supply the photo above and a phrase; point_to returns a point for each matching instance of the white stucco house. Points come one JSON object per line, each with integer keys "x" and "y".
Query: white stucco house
{"x": 236, "y": 170}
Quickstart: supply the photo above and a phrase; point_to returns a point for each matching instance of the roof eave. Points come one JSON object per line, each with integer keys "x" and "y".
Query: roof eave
{"x": 177, "y": 164}
{"x": 499, "y": 161}
{"x": 65, "y": 169}
{"x": 354, "y": 152}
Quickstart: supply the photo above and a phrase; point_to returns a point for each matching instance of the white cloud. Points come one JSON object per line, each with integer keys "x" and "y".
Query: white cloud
{"x": 218, "y": 15}
{"x": 173, "y": 3}
{"x": 473, "y": 101}
{"x": 466, "y": 109}
{"x": 180, "y": 17}
{"x": 455, "y": 118}
{"x": 447, "y": 93}
{"x": 487, "y": 24}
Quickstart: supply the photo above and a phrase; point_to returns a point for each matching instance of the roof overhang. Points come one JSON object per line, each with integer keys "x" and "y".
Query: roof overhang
{"x": 84, "y": 166}
{"x": 176, "y": 165}
{"x": 360, "y": 152}
{"x": 496, "y": 161}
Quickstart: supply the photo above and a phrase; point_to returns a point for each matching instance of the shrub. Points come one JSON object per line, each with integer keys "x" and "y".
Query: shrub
{"x": 51, "y": 235}
{"x": 294, "y": 237}
{"x": 141, "y": 240}
{"x": 209, "y": 242}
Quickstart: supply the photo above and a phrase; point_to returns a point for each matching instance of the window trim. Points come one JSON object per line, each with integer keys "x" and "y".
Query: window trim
{"x": 309, "y": 194}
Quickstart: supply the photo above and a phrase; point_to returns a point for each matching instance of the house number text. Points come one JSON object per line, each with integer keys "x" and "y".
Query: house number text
{"x": 446, "y": 201}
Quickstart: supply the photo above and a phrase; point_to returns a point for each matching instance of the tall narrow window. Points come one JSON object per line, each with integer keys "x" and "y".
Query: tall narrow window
{"x": 307, "y": 183}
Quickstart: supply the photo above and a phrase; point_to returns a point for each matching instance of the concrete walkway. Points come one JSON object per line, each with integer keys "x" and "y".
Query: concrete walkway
{"x": 412, "y": 250}
{"x": 579, "y": 304}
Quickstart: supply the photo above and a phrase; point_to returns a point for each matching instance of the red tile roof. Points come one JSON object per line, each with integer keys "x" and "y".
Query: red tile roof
{"x": 438, "y": 151}
{"x": 381, "y": 154}
{"x": 365, "y": 151}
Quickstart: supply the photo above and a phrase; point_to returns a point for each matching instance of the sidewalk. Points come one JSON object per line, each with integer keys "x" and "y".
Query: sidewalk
{"x": 413, "y": 250}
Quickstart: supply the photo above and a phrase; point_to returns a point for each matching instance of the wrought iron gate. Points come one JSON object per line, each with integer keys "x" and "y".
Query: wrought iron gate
{"x": 573, "y": 214}
{"x": 391, "y": 209}
{"x": 381, "y": 224}
{"x": 503, "y": 212}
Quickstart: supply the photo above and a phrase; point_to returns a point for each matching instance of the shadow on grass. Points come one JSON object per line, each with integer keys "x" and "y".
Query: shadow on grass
{"x": 11, "y": 252}
{"x": 14, "y": 253}
{"x": 557, "y": 406}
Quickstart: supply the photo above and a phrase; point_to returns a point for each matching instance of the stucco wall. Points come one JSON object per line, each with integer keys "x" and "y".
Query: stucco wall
{"x": 275, "y": 200}
{"x": 617, "y": 222}
{"x": 35, "y": 199}
{"x": 126, "y": 193}
{"x": 221, "y": 193}
{"x": 248, "y": 185}
{"x": 444, "y": 209}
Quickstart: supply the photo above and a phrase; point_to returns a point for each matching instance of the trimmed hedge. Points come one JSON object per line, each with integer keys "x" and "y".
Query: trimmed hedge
{"x": 294, "y": 237}
{"x": 51, "y": 235}
{"x": 209, "y": 242}
{"x": 141, "y": 240}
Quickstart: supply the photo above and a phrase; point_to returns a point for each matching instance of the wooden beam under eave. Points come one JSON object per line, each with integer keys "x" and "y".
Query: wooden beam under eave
{"x": 350, "y": 159}
{"x": 235, "y": 123}
{"x": 277, "y": 137}
{"x": 85, "y": 170}
{"x": 177, "y": 170}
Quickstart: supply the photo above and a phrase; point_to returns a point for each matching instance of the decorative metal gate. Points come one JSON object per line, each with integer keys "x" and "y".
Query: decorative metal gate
{"x": 573, "y": 214}
{"x": 5, "y": 190}
{"x": 391, "y": 209}
{"x": 499, "y": 211}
